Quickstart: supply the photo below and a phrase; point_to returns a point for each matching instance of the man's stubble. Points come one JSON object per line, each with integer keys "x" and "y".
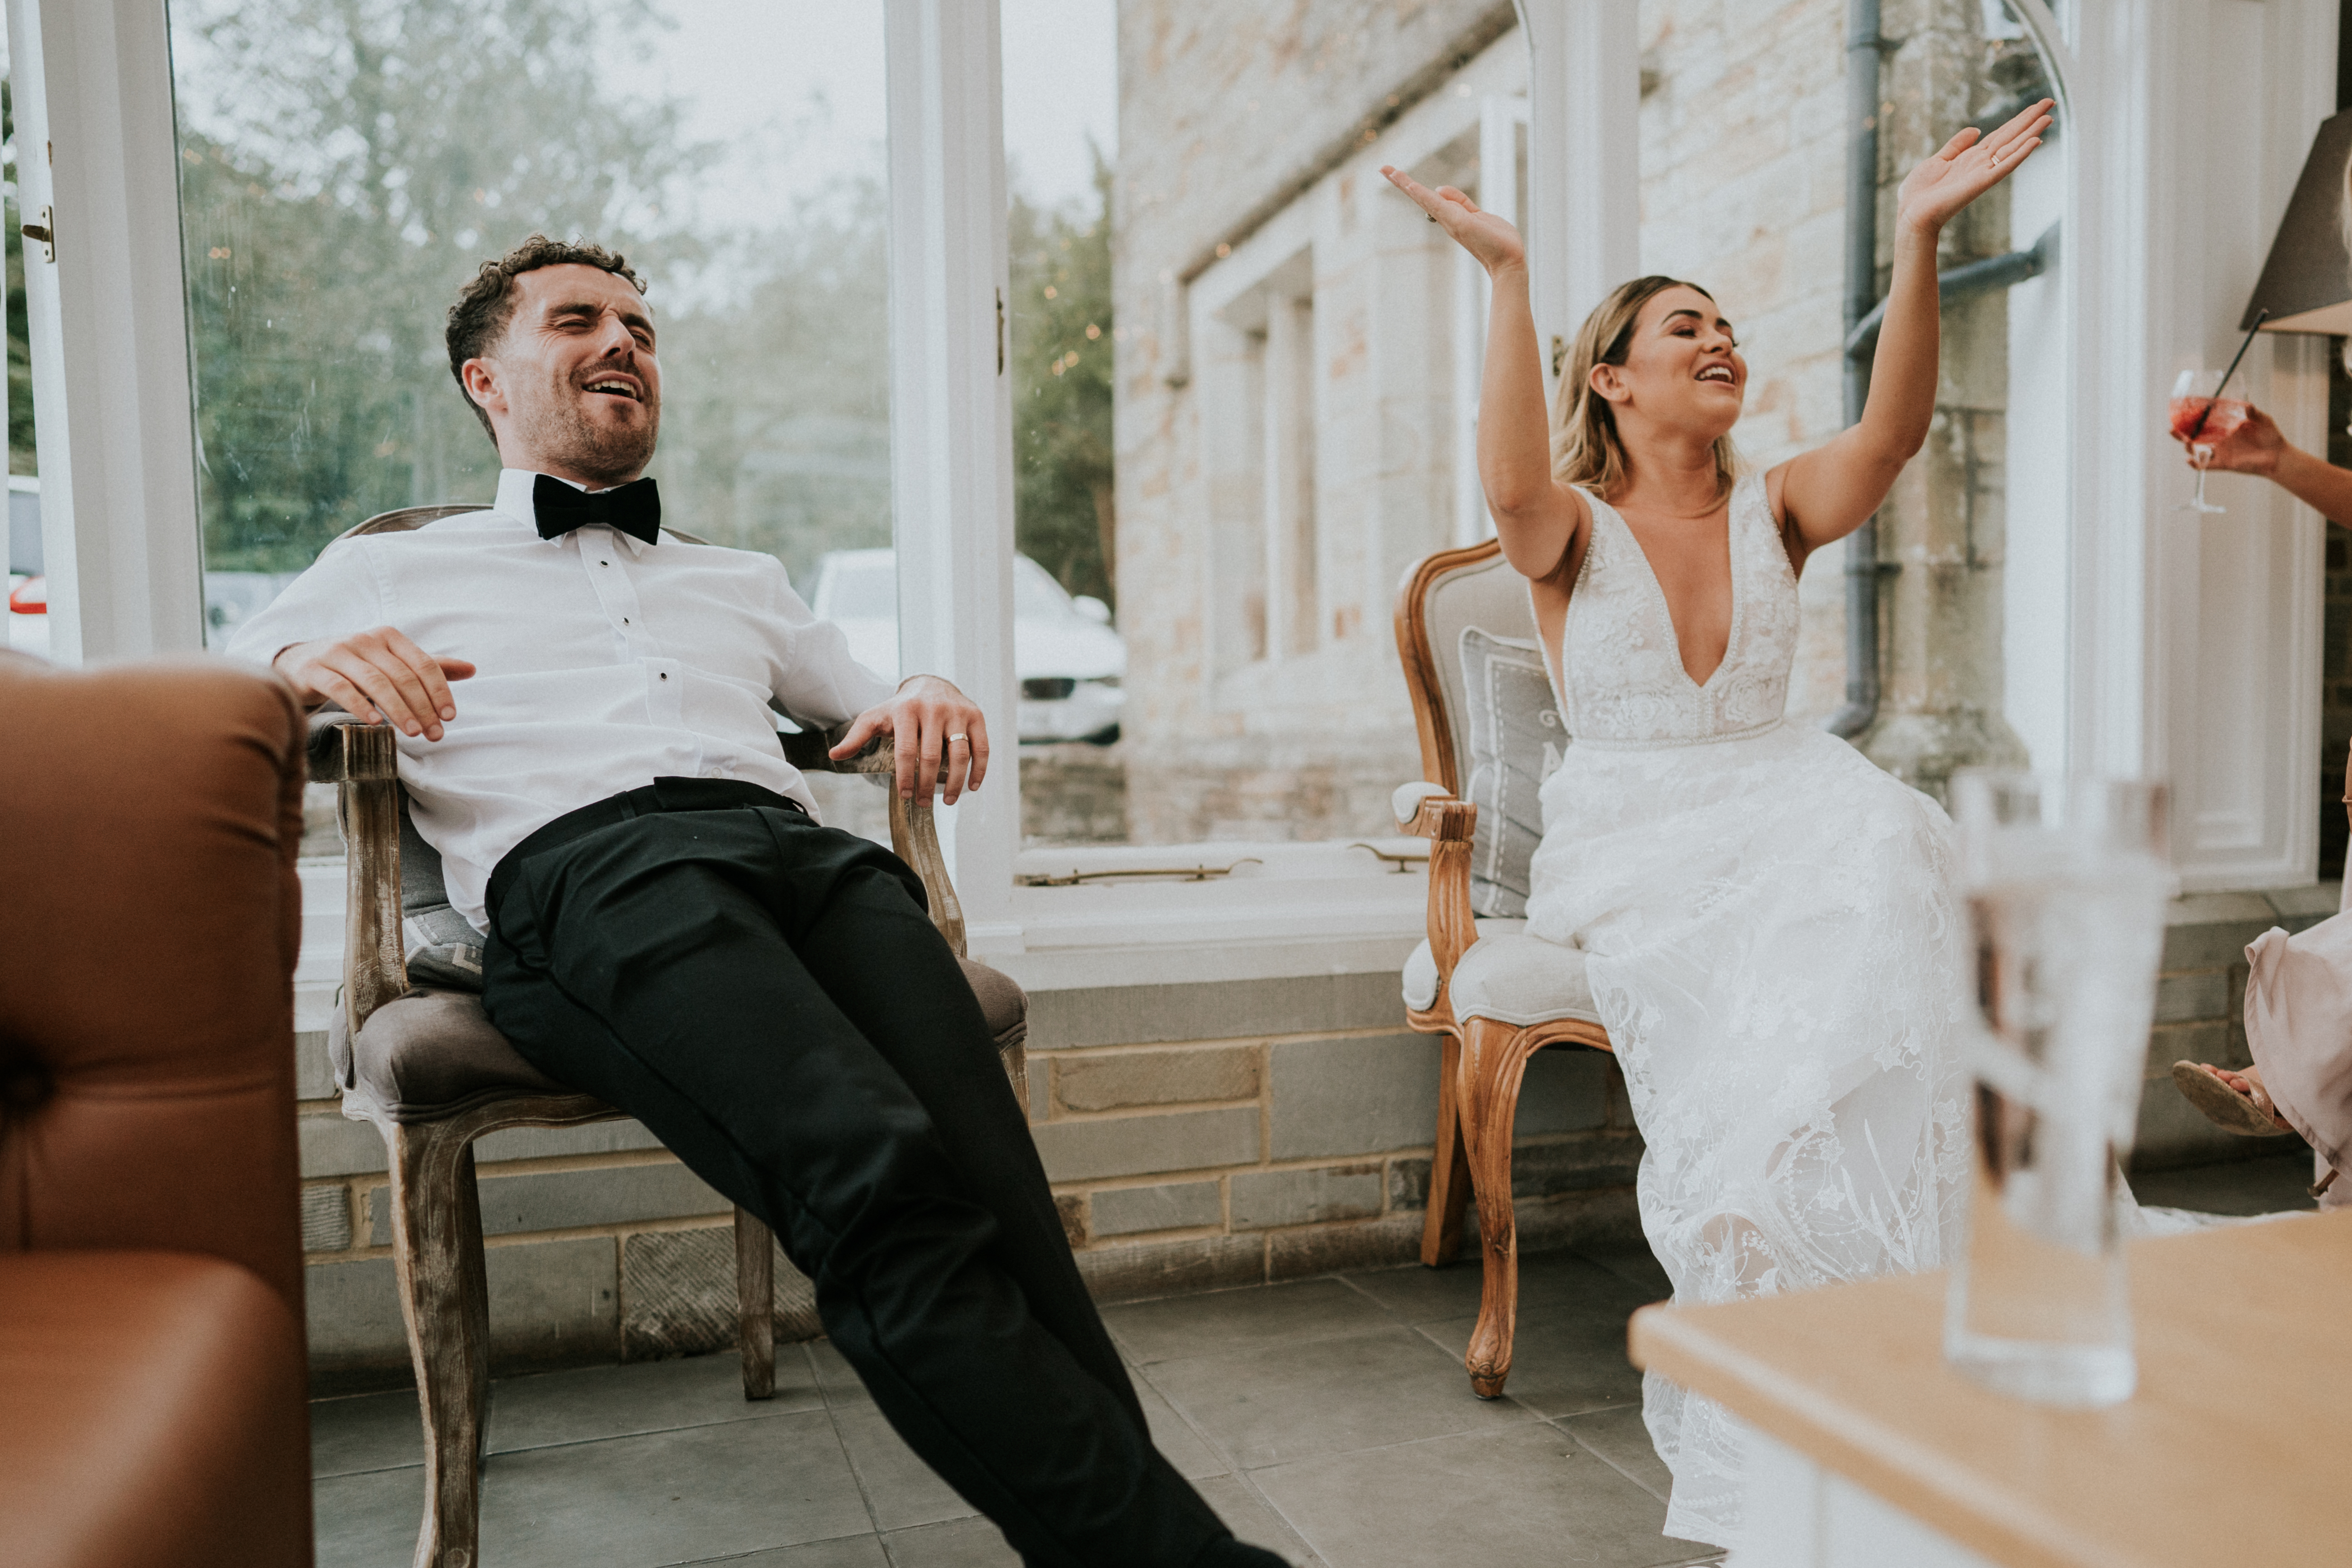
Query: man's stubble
{"x": 560, "y": 432}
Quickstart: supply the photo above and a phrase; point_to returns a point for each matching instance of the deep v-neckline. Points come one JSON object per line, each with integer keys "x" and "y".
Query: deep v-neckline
{"x": 1665, "y": 605}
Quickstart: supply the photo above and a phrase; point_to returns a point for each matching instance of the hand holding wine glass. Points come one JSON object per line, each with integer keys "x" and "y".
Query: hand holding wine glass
{"x": 2248, "y": 442}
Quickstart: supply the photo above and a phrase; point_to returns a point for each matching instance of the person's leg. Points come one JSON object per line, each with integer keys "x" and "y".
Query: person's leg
{"x": 647, "y": 963}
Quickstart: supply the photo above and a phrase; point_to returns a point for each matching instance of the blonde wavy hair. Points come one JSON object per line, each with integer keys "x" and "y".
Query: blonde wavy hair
{"x": 1585, "y": 448}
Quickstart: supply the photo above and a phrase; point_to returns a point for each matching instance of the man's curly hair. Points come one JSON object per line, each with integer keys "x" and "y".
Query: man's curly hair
{"x": 486, "y": 303}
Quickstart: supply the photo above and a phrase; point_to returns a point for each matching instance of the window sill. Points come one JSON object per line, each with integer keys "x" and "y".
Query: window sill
{"x": 1299, "y": 910}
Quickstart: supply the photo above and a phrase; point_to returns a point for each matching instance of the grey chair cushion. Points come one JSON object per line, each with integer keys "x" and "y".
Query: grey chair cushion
{"x": 1522, "y": 980}
{"x": 434, "y": 1052}
{"x": 1421, "y": 969}
{"x": 1516, "y": 738}
{"x": 427, "y": 1055}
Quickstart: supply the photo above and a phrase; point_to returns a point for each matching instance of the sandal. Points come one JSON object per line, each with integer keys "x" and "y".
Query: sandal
{"x": 2247, "y": 1115}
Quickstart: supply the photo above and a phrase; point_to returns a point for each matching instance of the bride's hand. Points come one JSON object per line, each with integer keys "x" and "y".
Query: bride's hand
{"x": 1970, "y": 165}
{"x": 1493, "y": 243}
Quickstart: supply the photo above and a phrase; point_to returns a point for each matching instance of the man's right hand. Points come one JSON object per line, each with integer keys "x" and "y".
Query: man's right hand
{"x": 377, "y": 675}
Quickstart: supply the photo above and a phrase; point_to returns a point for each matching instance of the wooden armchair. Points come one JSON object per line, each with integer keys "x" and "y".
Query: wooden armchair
{"x": 1494, "y": 996}
{"x": 420, "y": 1060}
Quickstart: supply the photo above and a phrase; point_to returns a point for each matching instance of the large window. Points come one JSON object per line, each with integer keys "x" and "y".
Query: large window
{"x": 344, "y": 168}
{"x": 1245, "y": 399}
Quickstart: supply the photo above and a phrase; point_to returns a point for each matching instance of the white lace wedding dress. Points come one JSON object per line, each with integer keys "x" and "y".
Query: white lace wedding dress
{"x": 1773, "y": 945}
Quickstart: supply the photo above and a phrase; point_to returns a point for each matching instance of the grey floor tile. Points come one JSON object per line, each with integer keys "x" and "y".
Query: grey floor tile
{"x": 962, "y": 1543}
{"x": 2270, "y": 1185}
{"x": 900, "y": 1490}
{"x": 1293, "y": 1399}
{"x": 599, "y": 1402}
{"x": 1251, "y": 1519}
{"x": 1527, "y": 1498}
{"x": 1573, "y": 1281}
{"x": 1175, "y": 1438}
{"x": 1620, "y": 1437}
{"x": 671, "y": 1497}
{"x": 365, "y": 1432}
{"x": 367, "y": 1520}
{"x": 1242, "y": 1319}
{"x": 840, "y": 1383}
{"x": 1636, "y": 1265}
{"x": 1419, "y": 1295}
{"x": 848, "y": 1551}
{"x": 1563, "y": 1359}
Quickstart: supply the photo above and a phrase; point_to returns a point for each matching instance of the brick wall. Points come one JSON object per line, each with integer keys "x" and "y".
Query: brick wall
{"x": 1196, "y": 1137}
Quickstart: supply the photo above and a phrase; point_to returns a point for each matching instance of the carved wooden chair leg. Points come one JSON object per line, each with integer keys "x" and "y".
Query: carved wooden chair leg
{"x": 755, "y": 1302}
{"x": 436, "y": 1229}
{"x": 1494, "y": 1060}
{"x": 1449, "y": 1166}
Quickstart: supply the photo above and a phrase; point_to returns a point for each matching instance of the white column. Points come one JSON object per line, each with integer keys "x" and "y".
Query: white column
{"x": 92, "y": 84}
{"x": 1584, "y": 163}
{"x": 951, "y": 414}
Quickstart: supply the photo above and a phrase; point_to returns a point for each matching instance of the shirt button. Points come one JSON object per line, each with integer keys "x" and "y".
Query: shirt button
{"x": 664, "y": 675}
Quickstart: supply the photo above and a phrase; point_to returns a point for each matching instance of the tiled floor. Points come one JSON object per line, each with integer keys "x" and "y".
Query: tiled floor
{"x": 1327, "y": 1418}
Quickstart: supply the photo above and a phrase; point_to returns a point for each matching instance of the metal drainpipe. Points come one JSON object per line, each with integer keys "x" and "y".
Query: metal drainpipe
{"x": 1864, "y": 53}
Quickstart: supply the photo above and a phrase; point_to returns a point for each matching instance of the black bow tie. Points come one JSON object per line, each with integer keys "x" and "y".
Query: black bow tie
{"x": 633, "y": 509}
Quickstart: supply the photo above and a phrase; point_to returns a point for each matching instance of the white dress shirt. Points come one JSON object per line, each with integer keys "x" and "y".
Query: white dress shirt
{"x": 602, "y": 663}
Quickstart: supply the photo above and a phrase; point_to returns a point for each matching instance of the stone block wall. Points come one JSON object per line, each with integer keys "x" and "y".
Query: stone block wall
{"x": 1196, "y": 1137}
{"x": 1187, "y": 1154}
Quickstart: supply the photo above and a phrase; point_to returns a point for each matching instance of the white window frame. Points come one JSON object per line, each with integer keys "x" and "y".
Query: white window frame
{"x": 121, "y": 542}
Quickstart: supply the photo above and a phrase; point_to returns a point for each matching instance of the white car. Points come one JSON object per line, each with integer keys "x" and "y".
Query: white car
{"x": 1069, "y": 661}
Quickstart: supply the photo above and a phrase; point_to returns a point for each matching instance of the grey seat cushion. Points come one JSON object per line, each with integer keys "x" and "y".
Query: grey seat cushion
{"x": 1421, "y": 969}
{"x": 1522, "y": 980}
{"x": 433, "y": 1052}
{"x": 1516, "y": 738}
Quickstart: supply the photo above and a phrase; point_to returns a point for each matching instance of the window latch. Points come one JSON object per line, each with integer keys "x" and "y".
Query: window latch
{"x": 43, "y": 233}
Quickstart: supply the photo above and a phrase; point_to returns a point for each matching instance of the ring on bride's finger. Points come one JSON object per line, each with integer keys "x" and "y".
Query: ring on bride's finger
{"x": 953, "y": 739}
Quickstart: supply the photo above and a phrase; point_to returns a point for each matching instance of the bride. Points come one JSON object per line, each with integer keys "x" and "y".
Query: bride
{"x": 1768, "y": 919}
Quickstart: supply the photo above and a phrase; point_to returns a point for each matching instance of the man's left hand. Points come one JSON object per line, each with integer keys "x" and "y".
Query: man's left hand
{"x": 934, "y": 726}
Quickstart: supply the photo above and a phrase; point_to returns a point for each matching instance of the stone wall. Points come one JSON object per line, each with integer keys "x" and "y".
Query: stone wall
{"x": 1229, "y": 114}
{"x": 1196, "y": 1137}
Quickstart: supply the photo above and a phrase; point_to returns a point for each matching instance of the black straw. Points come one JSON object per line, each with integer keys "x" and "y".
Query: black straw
{"x": 2260, "y": 317}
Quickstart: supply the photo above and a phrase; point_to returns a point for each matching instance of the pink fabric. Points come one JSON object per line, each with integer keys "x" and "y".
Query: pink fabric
{"x": 2299, "y": 1028}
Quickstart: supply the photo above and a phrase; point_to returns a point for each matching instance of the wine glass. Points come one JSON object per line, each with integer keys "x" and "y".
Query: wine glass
{"x": 2201, "y": 420}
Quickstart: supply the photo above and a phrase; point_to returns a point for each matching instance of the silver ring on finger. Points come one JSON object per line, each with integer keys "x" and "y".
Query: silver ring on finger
{"x": 953, "y": 739}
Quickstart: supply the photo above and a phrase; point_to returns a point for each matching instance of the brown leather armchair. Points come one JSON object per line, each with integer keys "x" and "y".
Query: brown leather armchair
{"x": 153, "y": 1377}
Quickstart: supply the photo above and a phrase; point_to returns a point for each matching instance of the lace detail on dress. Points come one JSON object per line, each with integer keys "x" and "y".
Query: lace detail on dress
{"x": 1770, "y": 936}
{"x": 1620, "y": 665}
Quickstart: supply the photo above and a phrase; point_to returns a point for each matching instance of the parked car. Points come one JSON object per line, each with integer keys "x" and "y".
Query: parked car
{"x": 1068, "y": 658}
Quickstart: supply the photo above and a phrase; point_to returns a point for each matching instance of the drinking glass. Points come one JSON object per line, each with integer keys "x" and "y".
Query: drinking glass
{"x": 2066, "y": 880}
{"x": 2201, "y": 421}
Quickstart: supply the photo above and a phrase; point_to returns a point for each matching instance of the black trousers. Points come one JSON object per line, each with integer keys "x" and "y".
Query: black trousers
{"x": 768, "y": 996}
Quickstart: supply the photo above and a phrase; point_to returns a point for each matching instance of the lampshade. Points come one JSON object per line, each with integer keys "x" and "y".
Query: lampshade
{"x": 2307, "y": 281}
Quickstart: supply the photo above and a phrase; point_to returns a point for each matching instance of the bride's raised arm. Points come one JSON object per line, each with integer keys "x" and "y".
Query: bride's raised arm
{"x": 1538, "y": 519}
{"x": 1827, "y": 493}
